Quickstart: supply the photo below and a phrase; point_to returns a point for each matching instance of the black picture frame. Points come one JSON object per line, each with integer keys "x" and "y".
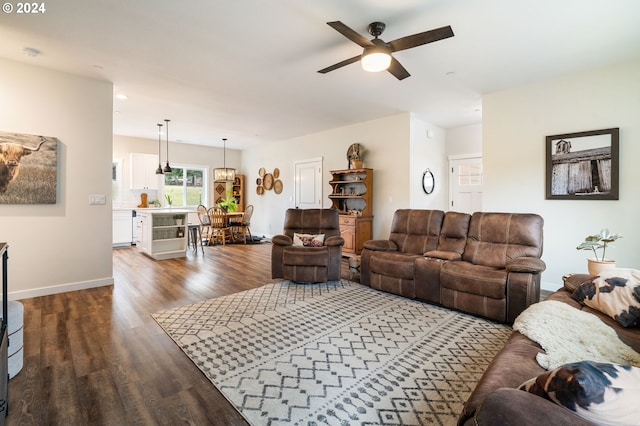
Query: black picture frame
{"x": 583, "y": 165}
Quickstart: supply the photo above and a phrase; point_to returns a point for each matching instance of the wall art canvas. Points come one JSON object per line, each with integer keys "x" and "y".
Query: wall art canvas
{"x": 583, "y": 165}
{"x": 28, "y": 169}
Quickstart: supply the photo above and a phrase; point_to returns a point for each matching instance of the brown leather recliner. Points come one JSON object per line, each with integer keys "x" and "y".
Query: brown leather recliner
{"x": 308, "y": 264}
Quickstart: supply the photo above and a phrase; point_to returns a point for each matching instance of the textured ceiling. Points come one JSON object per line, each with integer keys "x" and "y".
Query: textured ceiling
{"x": 247, "y": 69}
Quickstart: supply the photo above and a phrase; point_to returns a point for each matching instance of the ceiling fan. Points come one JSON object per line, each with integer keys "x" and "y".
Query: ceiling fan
{"x": 377, "y": 53}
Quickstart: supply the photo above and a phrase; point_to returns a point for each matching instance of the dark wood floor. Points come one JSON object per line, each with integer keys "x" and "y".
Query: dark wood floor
{"x": 96, "y": 356}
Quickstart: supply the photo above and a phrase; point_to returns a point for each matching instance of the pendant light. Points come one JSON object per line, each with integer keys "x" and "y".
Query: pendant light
{"x": 167, "y": 168}
{"x": 159, "y": 169}
{"x": 224, "y": 174}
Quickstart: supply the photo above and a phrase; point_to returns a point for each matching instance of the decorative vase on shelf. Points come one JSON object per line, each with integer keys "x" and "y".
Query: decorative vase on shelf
{"x": 355, "y": 164}
{"x": 596, "y": 266}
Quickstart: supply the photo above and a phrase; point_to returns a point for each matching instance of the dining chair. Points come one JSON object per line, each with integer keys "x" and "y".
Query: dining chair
{"x": 220, "y": 228}
{"x": 205, "y": 223}
{"x": 243, "y": 228}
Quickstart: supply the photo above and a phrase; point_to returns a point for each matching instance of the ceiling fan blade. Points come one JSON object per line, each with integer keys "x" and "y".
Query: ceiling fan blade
{"x": 349, "y": 33}
{"x": 419, "y": 39}
{"x": 398, "y": 70}
{"x": 340, "y": 64}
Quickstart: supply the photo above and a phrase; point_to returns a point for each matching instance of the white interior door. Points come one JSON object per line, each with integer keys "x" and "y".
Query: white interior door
{"x": 308, "y": 183}
{"x": 465, "y": 184}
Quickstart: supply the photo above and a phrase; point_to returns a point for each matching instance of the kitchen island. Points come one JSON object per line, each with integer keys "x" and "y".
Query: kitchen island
{"x": 162, "y": 233}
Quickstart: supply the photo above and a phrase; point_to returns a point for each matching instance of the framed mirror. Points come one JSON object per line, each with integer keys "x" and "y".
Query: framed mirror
{"x": 428, "y": 182}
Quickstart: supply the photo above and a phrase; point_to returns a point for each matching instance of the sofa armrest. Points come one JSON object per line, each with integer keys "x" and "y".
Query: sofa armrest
{"x": 507, "y": 406}
{"x": 380, "y": 245}
{"x": 282, "y": 240}
{"x": 443, "y": 255}
{"x": 531, "y": 265}
{"x": 334, "y": 241}
{"x": 573, "y": 281}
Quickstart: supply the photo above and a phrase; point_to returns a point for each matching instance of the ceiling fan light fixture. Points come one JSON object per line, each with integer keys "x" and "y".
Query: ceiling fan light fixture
{"x": 376, "y": 58}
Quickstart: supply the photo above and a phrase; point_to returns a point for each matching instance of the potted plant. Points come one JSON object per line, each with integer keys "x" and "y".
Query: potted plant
{"x": 597, "y": 242}
{"x": 228, "y": 204}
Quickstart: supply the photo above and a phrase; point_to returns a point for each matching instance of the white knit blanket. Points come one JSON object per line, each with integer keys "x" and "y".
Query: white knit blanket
{"x": 570, "y": 335}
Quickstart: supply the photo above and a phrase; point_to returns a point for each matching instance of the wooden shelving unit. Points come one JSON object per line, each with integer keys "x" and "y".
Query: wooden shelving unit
{"x": 352, "y": 195}
{"x": 237, "y": 191}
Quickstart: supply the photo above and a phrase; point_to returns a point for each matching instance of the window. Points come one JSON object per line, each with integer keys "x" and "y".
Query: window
{"x": 470, "y": 174}
{"x": 187, "y": 186}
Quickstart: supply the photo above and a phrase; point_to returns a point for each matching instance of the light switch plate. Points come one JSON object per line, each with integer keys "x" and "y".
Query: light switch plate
{"x": 97, "y": 200}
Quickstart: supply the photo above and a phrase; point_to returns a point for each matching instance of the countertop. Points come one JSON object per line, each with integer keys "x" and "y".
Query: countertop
{"x": 159, "y": 210}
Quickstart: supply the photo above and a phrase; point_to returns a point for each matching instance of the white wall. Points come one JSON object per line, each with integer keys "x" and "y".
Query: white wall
{"x": 515, "y": 123}
{"x": 386, "y": 142}
{"x": 179, "y": 153}
{"x": 65, "y": 246}
{"x": 428, "y": 147}
{"x": 464, "y": 140}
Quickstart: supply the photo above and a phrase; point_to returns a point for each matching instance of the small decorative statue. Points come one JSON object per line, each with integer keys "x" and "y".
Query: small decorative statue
{"x": 355, "y": 154}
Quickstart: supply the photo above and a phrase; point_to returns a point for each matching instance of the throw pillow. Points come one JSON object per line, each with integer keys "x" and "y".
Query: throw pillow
{"x": 602, "y": 393}
{"x": 615, "y": 292}
{"x": 308, "y": 240}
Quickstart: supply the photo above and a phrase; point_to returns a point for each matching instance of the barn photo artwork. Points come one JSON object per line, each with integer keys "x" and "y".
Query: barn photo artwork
{"x": 28, "y": 169}
{"x": 583, "y": 166}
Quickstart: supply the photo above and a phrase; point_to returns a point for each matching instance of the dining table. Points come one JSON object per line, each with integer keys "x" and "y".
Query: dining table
{"x": 232, "y": 218}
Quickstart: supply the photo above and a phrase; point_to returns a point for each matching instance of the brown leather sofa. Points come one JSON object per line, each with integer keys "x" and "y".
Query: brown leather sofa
{"x": 496, "y": 399}
{"x": 487, "y": 264}
{"x": 308, "y": 264}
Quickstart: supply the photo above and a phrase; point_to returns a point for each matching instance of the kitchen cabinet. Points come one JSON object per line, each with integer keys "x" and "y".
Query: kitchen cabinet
{"x": 352, "y": 195}
{"x": 122, "y": 228}
{"x": 162, "y": 233}
{"x": 143, "y": 171}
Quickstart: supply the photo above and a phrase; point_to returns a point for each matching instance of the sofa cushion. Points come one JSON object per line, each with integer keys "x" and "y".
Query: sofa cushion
{"x": 453, "y": 235}
{"x": 466, "y": 277}
{"x": 603, "y": 393}
{"x": 416, "y": 231}
{"x": 615, "y": 292}
{"x": 399, "y": 265}
{"x": 495, "y": 238}
{"x": 305, "y": 256}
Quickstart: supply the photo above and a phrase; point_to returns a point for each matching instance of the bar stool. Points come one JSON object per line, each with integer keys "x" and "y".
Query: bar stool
{"x": 194, "y": 236}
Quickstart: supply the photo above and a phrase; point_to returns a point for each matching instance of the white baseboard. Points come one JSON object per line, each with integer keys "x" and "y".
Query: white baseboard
{"x": 63, "y": 288}
{"x": 550, "y": 285}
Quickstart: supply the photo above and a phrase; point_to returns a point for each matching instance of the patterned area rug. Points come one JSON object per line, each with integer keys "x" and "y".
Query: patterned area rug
{"x": 337, "y": 353}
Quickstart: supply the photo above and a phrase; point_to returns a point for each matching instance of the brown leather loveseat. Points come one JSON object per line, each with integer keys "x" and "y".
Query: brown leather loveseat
{"x": 486, "y": 264}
